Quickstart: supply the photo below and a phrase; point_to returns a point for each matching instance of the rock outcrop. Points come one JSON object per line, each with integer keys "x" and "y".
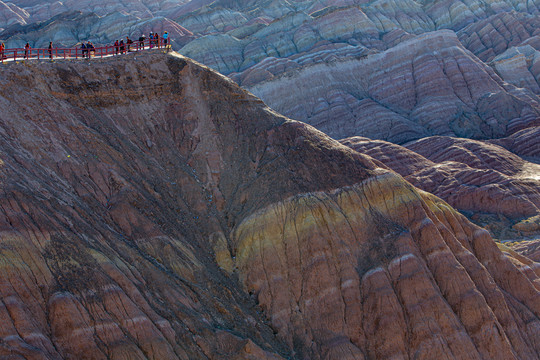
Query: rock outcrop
{"x": 494, "y": 35}
{"x": 496, "y": 188}
{"x": 531, "y": 249}
{"x": 70, "y": 28}
{"x": 11, "y": 14}
{"x": 524, "y": 143}
{"x": 170, "y": 214}
{"x": 403, "y": 94}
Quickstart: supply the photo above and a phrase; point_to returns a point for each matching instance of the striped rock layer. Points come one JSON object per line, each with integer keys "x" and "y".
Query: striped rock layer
{"x": 494, "y": 186}
{"x": 152, "y": 209}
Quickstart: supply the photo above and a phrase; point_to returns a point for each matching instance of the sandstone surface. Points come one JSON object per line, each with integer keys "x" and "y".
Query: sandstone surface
{"x": 11, "y": 14}
{"x": 495, "y": 187}
{"x": 531, "y": 249}
{"x": 70, "y": 28}
{"x": 405, "y": 93}
{"x": 170, "y": 214}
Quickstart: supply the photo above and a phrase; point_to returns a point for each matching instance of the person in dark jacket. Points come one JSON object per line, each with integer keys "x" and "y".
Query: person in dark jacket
{"x": 128, "y": 42}
{"x": 142, "y": 38}
{"x": 50, "y": 49}
{"x": 116, "y": 47}
{"x": 90, "y": 49}
{"x": 26, "y": 50}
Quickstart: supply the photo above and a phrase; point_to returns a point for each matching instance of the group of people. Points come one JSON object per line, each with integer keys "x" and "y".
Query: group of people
{"x": 27, "y": 51}
{"x": 121, "y": 47}
{"x": 87, "y": 49}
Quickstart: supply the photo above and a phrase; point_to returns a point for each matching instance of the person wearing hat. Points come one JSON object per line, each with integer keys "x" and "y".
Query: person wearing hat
{"x": 151, "y": 42}
{"x": 142, "y": 38}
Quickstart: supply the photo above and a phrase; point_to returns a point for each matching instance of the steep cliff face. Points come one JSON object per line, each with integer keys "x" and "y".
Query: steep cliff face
{"x": 153, "y": 209}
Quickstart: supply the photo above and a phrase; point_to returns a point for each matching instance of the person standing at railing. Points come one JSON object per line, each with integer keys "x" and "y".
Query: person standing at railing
{"x": 26, "y": 50}
{"x": 116, "y": 46}
{"x": 142, "y": 38}
{"x": 83, "y": 50}
{"x": 50, "y": 50}
{"x": 156, "y": 36}
{"x": 122, "y": 47}
{"x": 2, "y": 49}
{"x": 151, "y": 41}
{"x": 90, "y": 49}
{"x": 165, "y": 39}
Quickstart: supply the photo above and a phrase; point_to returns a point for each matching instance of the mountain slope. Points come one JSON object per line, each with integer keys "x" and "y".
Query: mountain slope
{"x": 153, "y": 209}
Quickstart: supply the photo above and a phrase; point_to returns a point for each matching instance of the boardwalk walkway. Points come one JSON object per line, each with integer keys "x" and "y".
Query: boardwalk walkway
{"x": 79, "y": 53}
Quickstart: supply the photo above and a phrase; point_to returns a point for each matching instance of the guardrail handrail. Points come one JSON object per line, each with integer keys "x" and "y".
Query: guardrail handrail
{"x": 80, "y": 53}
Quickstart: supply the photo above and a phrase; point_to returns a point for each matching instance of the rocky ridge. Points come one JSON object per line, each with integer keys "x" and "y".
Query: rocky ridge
{"x": 171, "y": 214}
{"x": 495, "y": 187}
{"x": 403, "y": 94}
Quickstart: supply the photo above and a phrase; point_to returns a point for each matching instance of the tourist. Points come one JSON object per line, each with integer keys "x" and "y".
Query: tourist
{"x": 142, "y": 38}
{"x": 84, "y": 51}
{"x": 165, "y": 38}
{"x": 26, "y": 50}
{"x": 122, "y": 47}
{"x": 90, "y": 48}
{"x": 50, "y": 50}
{"x": 116, "y": 47}
{"x": 128, "y": 42}
{"x": 156, "y": 37}
{"x": 2, "y": 49}
{"x": 151, "y": 39}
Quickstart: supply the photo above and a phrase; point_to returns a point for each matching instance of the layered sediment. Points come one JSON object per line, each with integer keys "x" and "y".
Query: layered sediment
{"x": 153, "y": 209}
{"x": 429, "y": 85}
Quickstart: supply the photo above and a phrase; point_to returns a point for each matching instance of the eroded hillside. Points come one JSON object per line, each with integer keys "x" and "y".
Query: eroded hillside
{"x": 153, "y": 209}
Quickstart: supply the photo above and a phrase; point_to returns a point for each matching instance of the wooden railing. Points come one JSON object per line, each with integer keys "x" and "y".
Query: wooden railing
{"x": 81, "y": 53}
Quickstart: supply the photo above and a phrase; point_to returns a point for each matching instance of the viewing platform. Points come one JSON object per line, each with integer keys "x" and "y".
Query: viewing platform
{"x": 21, "y": 54}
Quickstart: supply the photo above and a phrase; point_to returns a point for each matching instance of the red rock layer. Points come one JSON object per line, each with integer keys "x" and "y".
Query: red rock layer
{"x": 153, "y": 209}
{"x": 492, "y": 36}
{"x": 524, "y": 143}
{"x": 473, "y": 176}
{"x": 531, "y": 249}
